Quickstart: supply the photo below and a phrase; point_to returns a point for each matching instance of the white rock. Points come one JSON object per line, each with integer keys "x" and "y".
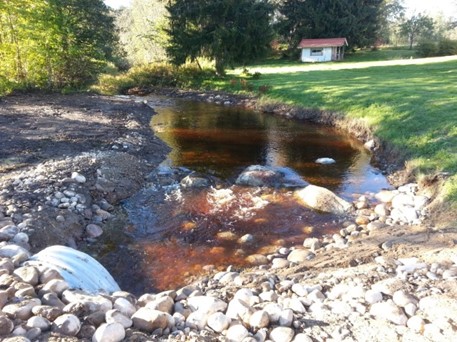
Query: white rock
{"x": 57, "y": 286}
{"x": 386, "y": 196}
{"x": 78, "y": 269}
{"x": 149, "y": 320}
{"x": 322, "y": 199}
{"x": 236, "y": 333}
{"x": 300, "y": 290}
{"x": 416, "y": 323}
{"x": 115, "y": 316}
{"x": 109, "y": 332}
{"x": 286, "y": 318}
{"x": 278, "y": 263}
{"x": 21, "y": 310}
{"x": 93, "y": 303}
{"x": 12, "y": 251}
{"x": 218, "y": 322}
{"x": 21, "y": 238}
{"x": 299, "y": 255}
{"x": 67, "y": 324}
{"x": 381, "y": 210}
{"x": 38, "y": 322}
{"x": 293, "y": 303}
{"x": 282, "y": 334}
{"x": 259, "y": 319}
{"x": 373, "y": 296}
{"x": 27, "y": 274}
{"x": 164, "y": 304}
{"x": 78, "y": 177}
{"x": 302, "y": 338}
{"x": 389, "y": 311}
{"x": 438, "y": 306}
{"x": 401, "y": 298}
{"x": 402, "y": 200}
{"x": 410, "y": 309}
{"x": 316, "y": 296}
{"x": 125, "y": 307}
{"x": 238, "y": 309}
{"x": 325, "y": 161}
{"x": 274, "y": 311}
{"x": 197, "y": 320}
{"x": 206, "y": 304}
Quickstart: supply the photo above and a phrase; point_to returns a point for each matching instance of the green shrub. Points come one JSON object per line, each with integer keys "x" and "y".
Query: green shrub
{"x": 427, "y": 48}
{"x": 146, "y": 77}
{"x": 447, "y": 47}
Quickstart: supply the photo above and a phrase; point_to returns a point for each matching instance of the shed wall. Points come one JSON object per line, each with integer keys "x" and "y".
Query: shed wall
{"x": 326, "y": 55}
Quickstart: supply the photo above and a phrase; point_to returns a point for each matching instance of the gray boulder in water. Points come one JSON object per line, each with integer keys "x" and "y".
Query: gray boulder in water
{"x": 270, "y": 176}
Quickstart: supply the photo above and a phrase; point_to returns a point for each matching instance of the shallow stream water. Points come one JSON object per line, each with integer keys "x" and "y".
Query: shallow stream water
{"x": 176, "y": 232}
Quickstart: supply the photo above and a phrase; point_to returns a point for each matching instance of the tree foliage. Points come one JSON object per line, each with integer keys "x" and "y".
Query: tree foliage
{"x": 227, "y": 31}
{"x": 417, "y": 26}
{"x": 356, "y": 20}
{"x": 140, "y": 31}
{"x": 54, "y": 43}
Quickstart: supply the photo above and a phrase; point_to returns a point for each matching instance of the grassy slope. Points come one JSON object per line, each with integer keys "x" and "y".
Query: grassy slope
{"x": 412, "y": 106}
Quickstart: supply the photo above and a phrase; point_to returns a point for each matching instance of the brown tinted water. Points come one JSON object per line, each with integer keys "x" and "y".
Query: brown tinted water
{"x": 176, "y": 232}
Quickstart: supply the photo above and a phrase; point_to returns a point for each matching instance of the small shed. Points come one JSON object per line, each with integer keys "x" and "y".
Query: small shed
{"x": 322, "y": 50}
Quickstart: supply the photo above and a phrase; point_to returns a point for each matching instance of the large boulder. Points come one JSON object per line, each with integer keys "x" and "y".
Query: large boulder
{"x": 269, "y": 176}
{"x": 322, "y": 199}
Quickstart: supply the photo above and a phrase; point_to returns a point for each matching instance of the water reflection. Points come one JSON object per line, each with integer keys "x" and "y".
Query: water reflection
{"x": 223, "y": 141}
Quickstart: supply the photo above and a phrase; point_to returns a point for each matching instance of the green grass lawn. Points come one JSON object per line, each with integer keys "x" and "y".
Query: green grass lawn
{"x": 414, "y": 107}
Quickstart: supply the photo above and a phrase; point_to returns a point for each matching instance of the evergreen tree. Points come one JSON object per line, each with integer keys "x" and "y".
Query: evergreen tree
{"x": 227, "y": 31}
{"x": 356, "y": 20}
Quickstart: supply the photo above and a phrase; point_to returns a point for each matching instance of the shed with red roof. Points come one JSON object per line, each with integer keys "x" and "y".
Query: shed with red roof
{"x": 322, "y": 49}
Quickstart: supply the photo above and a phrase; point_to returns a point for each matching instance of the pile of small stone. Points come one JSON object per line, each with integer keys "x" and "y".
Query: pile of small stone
{"x": 406, "y": 295}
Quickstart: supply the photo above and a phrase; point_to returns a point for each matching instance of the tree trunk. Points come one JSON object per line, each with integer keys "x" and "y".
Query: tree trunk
{"x": 220, "y": 66}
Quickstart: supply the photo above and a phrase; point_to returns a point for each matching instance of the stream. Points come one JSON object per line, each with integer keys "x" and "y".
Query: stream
{"x": 178, "y": 231}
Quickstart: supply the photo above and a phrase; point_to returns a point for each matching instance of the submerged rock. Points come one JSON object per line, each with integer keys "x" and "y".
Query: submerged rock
{"x": 322, "y": 199}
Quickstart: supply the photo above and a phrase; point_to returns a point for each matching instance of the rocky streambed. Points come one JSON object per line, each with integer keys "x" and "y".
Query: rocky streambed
{"x": 387, "y": 274}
